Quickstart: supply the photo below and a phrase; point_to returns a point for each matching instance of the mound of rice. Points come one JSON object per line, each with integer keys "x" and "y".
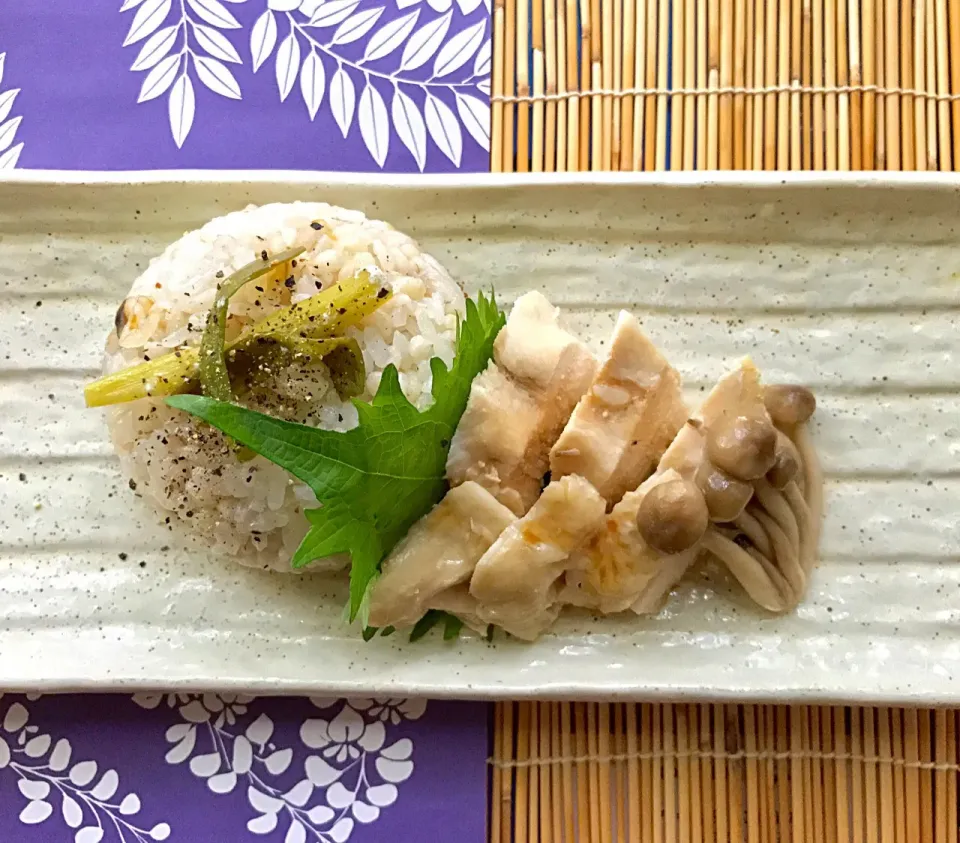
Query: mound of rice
{"x": 253, "y": 510}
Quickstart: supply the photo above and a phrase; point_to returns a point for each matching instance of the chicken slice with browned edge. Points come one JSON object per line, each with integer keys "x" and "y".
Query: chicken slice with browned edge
{"x": 515, "y": 582}
{"x": 626, "y": 420}
{"x": 519, "y": 405}
{"x": 440, "y": 551}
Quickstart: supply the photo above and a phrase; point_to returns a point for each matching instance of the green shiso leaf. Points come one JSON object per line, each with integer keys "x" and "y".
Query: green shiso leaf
{"x": 374, "y": 481}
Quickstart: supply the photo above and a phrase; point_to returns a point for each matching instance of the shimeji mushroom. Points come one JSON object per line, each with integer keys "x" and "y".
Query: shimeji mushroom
{"x": 729, "y": 484}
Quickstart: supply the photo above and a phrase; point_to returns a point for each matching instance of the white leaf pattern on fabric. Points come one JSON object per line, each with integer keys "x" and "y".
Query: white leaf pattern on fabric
{"x": 8, "y": 160}
{"x": 263, "y": 824}
{"x": 409, "y": 126}
{"x": 331, "y": 13}
{"x": 181, "y": 109}
{"x": 215, "y": 13}
{"x": 374, "y": 123}
{"x": 72, "y": 812}
{"x": 343, "y": 98}
{"x": 481, "y": 64}
{"x": 130, "y": 4}
{"x": 356, "y": 26}
{"x": 260, "y": 730}
{"x": 425, "y": 42}
{"x": 217, "y": 77}
{"x": 296, "y": 833}
{"x": 313, "y": 80}
{"x": 216, "y": 44}
{"x": 284, "y": 5}
{"x": 7, "y": 99}
{"x": 288, "y": 65}
{"x": 475, "y": 116}
{"x": 40, "y": 780}
{"x": 156, "y": 47}
{"x": 263, "y": 38}
{"x": 9, "y": 155}
{"x": 242, "y": 755}
{"x": 459, "y": 49}
{"x": 382, "y": 795}
{"x": 160, "y": 78}
{"x": 390, "y": 36}
{"x": 444, "y": 128}
{"x": 147, "y": 20}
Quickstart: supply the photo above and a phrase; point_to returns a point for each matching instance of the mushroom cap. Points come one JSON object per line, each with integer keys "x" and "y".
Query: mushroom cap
{"x": 789, "y": 404}
{"x": 745, "y": 447}
{"x": 725, "y": 496}
{"x": 673, "y": 516}
{"x": 787, "y": 465}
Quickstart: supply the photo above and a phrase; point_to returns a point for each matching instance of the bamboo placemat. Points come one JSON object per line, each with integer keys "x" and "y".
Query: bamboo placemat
{"x": 724, "y": 84}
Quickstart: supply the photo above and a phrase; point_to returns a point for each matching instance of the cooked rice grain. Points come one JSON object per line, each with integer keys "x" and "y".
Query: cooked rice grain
{"x": 253, "y": 510}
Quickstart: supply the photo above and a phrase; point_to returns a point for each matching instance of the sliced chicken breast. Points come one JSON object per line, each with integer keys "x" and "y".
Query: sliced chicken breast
{"x": 515, "y": 583}
{"x": 626, "y": 420}
{"x": 519, "y": 405}
{"x": 440, "y": 550}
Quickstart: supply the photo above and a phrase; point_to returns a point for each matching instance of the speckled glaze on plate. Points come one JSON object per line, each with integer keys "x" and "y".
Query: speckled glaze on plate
{"x": 850, "y": 286}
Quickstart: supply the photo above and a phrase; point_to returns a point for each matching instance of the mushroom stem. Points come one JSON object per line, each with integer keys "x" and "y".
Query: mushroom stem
{"x": 802, "y": 512}
{"x": 775, "y": 503}
{"x": 786, "y": 555}
{"x": 752, "y": 529}
{"x": 812, "y": 486}
{"x": 764, "y": 586}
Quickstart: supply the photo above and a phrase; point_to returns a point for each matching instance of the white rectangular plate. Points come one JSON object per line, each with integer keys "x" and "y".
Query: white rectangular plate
{"x": 851, "y": 288}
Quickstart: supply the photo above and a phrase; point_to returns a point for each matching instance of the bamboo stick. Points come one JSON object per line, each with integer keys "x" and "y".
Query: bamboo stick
{"x": 650, "y": 107}
{"x": 639, "y": 101}
{"x": 598, "y": 149}
{"x": 677, "y": 47}
{"x": 726, "y": 80}
{"x": 830, "y": 78}
{"x": 885, "y": 751}
{"x": 920, "y": 82}
{"x": 696, "y": 775}
{"x": 707, "y": 775}
{"x": 879, "y": 55}
{"x": 523, "y": 87}
{"x": 891, "y": 63}
{"x": 539, "y": 83}
{"x": 739, "y": 81}
{"x": 827, "y": 781}
{"x": 703, "y": 39}
{"x": 629, "y": 75}
{"x": 556, "y": 777}
{"x": 940, "y": 794}
{"x": 620, "y": 773}
{"x": 954, "y": 51}
{"x": 713, "y": 83}
{"x": 783, "y": 79}
{"x": 933, "y": 147}
{"x": 603, "y": 778}
{"x": 871, "y": 809}
{"x": 573, "y": 84}
{"x": 911, "y": 754}
{"x": 546, "y": 774}
{"x": 933, "y": 139}
{"x": 733, "y": 743}
{"x": 533, "y": 806}
{"x": 842, "y": 748}
{"x": 897, "y": 732}
{"x": 583, "y": 777}
{"x": 819, "y": 140}
{"x": 689, "y": 81}
{"x": 563, "y": 125}
{"x": 868, "y": 45}
{"x": 797, "y": 140}
{"x": 521, "y": 806}
{"x": 810, "y": 48}
{"x": 857, "y": 788}
{"x": 812, "y": 769}
{"x": 759, "y": 75}
{"x": 943, "y": 87}
{"x": 769, "y": 772}
{"x": 612, "y": 29}
{"x": 683, "y": 775}
{"x": 926, "y": 777}
{"x": 586, "y": 36}
{"x": 750, "y": 82}
{"x": 566, "y": 771}
{"x": 663, "y": 55}
{"x": 721, "y": 804}
{"x": 843, "y": 80}
{"x": 908, "y": 115}
{"x": 498, "y": 90}
{"x": 593, "y": 768}
{"x": 509, "y": 83}
{"x": 788, "y": 817}
{"x": 496, "y": 777}
{"x": 633, "y": 778}
{"x": 646, "y": 772}
{"x": 856, "y": 80}
{"x": 551, "y": 43}
{"x": 669, "y": 775}
{"x": 952, "y": 777}
{"x": 656, "y": 792}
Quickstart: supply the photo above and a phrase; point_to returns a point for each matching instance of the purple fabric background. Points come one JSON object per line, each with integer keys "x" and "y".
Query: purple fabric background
{"x": 203, "y": 768}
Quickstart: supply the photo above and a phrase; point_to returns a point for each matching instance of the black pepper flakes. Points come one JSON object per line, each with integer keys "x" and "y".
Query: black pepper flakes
{"x": 23, "y": 477}
{"x": 219, "y": 273}
{"x": 132, "y": 484}
{"x": 263, "y": 255}
{"x": 316, "y": 226}
{"x": 123, "y": 557}
{"x": 289, "y": 283}
{"x": 383, "y": 292}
